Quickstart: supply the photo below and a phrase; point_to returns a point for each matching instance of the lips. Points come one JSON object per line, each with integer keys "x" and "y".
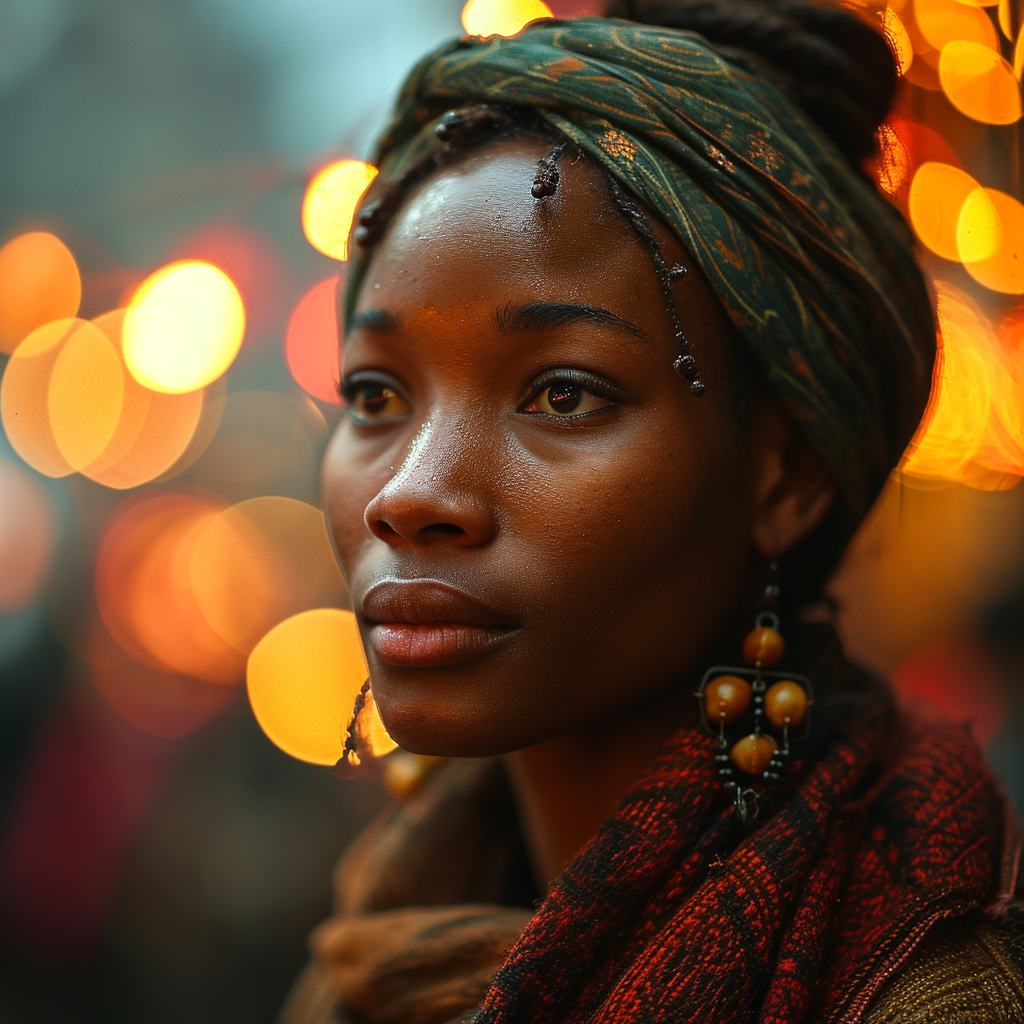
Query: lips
{"x": 429, "y": 624}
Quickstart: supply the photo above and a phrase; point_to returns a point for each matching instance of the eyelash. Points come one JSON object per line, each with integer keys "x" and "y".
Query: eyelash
{"x": 350, "y": 390}
{"x": 587, "y": 383}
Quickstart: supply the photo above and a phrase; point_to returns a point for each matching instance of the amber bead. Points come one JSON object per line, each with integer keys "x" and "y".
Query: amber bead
{"x": 763, "y": 646}
{"x": 785, "y": 703}
{"x": 726, "y": 699}
{"x": 752, "y": 753}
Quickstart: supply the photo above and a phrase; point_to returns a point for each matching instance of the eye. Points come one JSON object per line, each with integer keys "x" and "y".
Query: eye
{"x": 565, "y": 399}
{"x": 373, "y": 402}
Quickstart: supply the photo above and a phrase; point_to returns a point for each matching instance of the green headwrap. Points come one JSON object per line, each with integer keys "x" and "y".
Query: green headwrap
{"x": 813, "y": 267}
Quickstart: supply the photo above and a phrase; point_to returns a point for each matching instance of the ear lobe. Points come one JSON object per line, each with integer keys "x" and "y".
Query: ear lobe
{"x": 795, "y": 493}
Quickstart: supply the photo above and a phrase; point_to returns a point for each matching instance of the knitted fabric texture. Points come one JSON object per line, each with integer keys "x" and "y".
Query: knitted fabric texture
{"x": 672, "y": 913}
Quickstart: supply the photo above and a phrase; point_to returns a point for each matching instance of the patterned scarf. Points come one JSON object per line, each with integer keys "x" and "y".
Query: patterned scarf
{"x": 815, "y": 270}
{"x": 671, "y": 913}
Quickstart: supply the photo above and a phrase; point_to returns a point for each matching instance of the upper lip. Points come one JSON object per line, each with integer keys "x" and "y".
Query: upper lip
{"x": 428, "y": 601}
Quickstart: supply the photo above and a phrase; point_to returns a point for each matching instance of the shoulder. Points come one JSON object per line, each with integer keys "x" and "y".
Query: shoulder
{"x": 967, "y": 971}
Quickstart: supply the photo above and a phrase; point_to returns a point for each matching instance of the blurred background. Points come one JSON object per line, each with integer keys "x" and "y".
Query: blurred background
{"x": 179, "y": 176}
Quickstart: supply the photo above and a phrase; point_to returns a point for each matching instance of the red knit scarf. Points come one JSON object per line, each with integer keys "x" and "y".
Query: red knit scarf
{"x": 672, "y": 912}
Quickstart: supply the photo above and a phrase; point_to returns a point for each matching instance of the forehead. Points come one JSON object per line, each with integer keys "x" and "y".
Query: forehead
{"x": 474, "y": 229}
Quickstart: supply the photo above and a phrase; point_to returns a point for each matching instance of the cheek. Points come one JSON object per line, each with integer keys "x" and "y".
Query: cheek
{"x": 348, "y": 485}
{"x": 636, "y": 552}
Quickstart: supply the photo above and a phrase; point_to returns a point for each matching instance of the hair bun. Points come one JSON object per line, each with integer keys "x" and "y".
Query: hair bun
{"x": 836, "y": 67}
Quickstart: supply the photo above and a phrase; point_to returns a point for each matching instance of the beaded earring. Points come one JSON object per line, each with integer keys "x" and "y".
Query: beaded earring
{"x": 744, "y": 705}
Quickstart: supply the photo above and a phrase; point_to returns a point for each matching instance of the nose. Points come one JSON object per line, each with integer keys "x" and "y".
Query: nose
{"x": 440, "y": 494}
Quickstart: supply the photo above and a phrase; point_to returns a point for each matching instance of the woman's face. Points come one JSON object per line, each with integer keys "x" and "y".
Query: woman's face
{"x": 540, "y": 525}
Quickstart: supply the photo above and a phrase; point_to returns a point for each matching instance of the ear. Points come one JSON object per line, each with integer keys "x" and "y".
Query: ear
{"x": 792, "y": 492}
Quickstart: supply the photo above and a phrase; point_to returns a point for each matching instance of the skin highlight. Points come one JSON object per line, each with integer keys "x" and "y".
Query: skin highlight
{"x": 526, "y": 442}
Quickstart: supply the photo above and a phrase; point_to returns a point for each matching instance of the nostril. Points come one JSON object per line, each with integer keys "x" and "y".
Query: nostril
{"x": 449, "y": 529}
{"x": 384, "y": 530}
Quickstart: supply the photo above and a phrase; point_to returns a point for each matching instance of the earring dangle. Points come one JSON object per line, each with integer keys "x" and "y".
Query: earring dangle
{"x": 748, "y": 707}
{"x": 365, "y": 735}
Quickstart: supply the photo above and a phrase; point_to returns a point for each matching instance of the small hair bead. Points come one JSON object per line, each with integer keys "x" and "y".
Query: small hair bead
{"x": 546, "y": 181}
{"x": 677, "y": 272}
{"x": 686, "y": 366}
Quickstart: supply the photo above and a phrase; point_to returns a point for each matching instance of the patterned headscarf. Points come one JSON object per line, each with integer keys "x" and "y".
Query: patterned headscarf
{"x": 812, "y": 266}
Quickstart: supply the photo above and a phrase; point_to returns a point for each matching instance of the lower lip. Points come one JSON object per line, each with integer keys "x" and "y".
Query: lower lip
{"x": 432, "y": 645}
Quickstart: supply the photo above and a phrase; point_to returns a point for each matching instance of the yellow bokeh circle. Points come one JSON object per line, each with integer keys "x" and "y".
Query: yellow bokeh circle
{"x": 979, "y": 230}
{"x": 303, "y": 679}
{"x": 330, "y": 204}
{"x": 998, "y": 263}
{"x": 938, "y": 192}
{"x": 501, "y": 17}
{"x": 943, "y": 21}
{"x": 979, "y": 82}
{"x": 184, "y": 327}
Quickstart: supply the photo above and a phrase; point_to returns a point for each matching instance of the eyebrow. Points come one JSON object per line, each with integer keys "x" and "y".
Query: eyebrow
{"x": 380, "y": 321}
{"x": 513, "y": 319}
{"x": 543, "y": 316}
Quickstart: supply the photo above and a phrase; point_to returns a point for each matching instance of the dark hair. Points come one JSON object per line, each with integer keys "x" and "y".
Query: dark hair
{"x": 835, "y": 67}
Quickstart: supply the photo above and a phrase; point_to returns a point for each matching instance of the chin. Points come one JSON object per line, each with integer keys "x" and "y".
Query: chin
{"x": 447, "y": 728}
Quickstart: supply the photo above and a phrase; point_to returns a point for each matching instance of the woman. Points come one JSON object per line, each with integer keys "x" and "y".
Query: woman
{"x": 631, "y": 346}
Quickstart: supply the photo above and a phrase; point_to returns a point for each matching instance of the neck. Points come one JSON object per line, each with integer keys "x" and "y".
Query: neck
{"x": 567, "y": 787}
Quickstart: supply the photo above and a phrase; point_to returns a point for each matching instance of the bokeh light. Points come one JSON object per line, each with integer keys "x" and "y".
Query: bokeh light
{"x": 501, "y": 17}
{"x": 154, "y": 430}
{"x": 313, "y": 344}
{"x": 980, "y": 83}
{"x": 945, "y": 21}
{"x": 183, "y": 328}
{"x": 85, "y": 396}
{"x": 27, "y": 523}
{"x": 144, "y": 588}
{"x": 260, "y": 562}
{"x": 330, "y": 204}
{"x": 937, "y": 195}
{"x": 303, "y": 678}
{"x": 979, "y": 231}
{"x": 973, "y": 432}
{"x": 25, "y": 394}
{"x": 996, "y": 258}
{"x": 1005, "y": 18}
{"x": 39, "y": 282}
{"x": 251, "y": 262}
